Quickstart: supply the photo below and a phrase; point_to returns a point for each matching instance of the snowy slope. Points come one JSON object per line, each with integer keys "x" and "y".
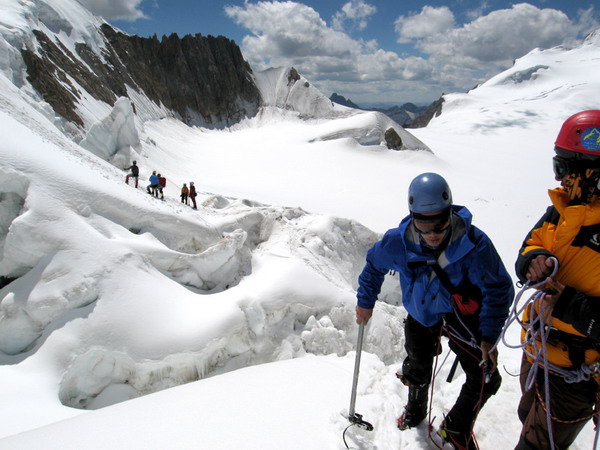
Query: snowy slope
{"x": 285, "y": 88}
{"x": 111, "y": 295}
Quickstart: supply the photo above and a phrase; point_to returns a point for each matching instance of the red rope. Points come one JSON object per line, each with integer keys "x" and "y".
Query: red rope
{"x": 479, "y": 403}
{"x": 430, "y": 420}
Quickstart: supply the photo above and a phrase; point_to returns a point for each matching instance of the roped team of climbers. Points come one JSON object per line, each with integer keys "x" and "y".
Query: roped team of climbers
{"x": 187, "y": 193}
{"x": 157, "y": 183}
{"x": 454, "y": 284}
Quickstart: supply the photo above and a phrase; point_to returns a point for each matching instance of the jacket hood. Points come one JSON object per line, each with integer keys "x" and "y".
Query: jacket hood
{"x": 459, "y": 244}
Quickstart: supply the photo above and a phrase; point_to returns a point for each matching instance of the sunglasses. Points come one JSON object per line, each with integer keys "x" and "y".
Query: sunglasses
{"x": 564, "y": 166}
{"x": 439, "y": 228}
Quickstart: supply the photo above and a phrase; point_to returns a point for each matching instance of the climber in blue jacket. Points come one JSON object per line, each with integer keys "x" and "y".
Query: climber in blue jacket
{"x": 453, "y": 284}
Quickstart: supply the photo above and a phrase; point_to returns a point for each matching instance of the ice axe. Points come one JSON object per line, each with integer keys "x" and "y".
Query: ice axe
{"x": 353, "y": 417}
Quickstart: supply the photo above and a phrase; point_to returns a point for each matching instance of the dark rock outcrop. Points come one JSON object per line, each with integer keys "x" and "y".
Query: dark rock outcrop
{"x": 341, "y": 100}
{"x": 434, "y": 110}
{"x": 293, "y": 76}
{"x": 404, "y": 114}
{"x": 392, "y": 140}
{"x": 204, "y": 80}
{"x": 49, "y": 74}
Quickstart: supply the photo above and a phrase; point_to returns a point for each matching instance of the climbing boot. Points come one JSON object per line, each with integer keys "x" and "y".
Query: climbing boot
{"x": 458, "y": 439}
{"x": 416, "y": 407}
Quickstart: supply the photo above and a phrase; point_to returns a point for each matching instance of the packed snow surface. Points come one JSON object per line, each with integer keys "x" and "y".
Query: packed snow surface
{"x": 131, "y": 322}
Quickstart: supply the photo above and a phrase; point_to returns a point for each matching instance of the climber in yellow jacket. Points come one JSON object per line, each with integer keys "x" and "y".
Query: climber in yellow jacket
{"x": 562, "y": 329}
{"x": 184, "y": 194}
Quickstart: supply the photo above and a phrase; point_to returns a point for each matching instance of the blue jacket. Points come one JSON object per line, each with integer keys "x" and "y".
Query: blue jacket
{"x": 470, "y": 255}
{"x": 153, "y": 180}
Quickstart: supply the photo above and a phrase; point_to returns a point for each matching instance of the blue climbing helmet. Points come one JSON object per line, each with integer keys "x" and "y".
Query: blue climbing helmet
{"x": 428, "y": 193}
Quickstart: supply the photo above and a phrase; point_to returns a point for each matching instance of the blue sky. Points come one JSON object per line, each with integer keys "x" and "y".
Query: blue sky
{"x": 367, "y": 50}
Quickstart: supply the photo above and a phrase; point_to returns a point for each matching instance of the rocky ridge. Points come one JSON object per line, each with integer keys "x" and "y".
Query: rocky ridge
{"x": 203, "y": 80}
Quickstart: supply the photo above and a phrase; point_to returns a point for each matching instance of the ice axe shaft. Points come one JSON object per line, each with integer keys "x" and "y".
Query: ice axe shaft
{"x": 452, "y": 370}
{"x": 352, "y": 416}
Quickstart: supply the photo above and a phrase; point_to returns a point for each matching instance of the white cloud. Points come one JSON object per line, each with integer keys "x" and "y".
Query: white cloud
{"x": 356, "y": 12}
{"x": 288, "y": 29}
{"x": 586, "y": 20}
{"x": 488, "y": 39}
{"x": 478, "y": 11}
{"x": 115, "y": 9}
{"x": 453, "y": 58}
{"x": 430, "y": 21}
{"x": 288, "y": 33}
{"x": 460, "y": 57}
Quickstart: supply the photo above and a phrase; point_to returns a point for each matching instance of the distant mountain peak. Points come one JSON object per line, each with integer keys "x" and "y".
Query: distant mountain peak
{"x": 341, "y": 100}
{"x": 408, "y": 115}
{"x": 285, "y": 88}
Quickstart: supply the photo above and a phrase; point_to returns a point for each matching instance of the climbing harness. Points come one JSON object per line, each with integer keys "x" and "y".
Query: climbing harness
{"x": 538, "y": 332}
{"x": 464, "y": 343}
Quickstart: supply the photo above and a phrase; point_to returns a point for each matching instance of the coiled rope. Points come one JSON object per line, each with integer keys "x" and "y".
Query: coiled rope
{"x": 537, "y": 332}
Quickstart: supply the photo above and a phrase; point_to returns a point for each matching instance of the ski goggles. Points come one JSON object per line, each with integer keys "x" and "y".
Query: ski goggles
{"x": 436, "y": 224}
{"x": 437, "y": 229}
{"x": 564, "y": 166}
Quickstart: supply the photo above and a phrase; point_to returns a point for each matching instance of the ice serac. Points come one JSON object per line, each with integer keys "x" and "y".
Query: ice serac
{"x": 115, "y": 136}
{"x": 285, "y": 88}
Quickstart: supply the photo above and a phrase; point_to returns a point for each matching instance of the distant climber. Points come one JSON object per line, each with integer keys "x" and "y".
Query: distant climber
{"x": 184, "y": 194}
{"x": 193, "y": 194}
{"x": 152, "y": 187}
{"x": 134, "y": 173}
{"x": 162, "y": 183}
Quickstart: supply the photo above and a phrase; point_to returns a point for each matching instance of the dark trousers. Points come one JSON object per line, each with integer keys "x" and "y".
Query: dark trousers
{"x": 569, "y": 402}
{"x": 421, "y": 344}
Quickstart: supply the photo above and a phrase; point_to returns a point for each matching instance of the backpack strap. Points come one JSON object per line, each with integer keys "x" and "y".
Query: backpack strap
{"x": 466, "y": 303}
{"x": 444, "y": 279}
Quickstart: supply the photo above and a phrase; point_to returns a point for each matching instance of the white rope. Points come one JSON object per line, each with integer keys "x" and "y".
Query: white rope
{"x": 536, "y": 331}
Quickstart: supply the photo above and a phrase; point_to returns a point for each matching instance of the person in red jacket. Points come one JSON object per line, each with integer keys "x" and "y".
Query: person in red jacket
{"x": 193, "y": 194}
{"x": 162, "y": 183}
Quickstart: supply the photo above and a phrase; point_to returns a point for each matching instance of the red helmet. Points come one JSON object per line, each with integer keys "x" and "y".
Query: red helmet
{"x": 581, "y": 133}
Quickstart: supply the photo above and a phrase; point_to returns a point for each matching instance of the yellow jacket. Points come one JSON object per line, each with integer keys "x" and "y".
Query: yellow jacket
{"x": 572, "y": 235}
